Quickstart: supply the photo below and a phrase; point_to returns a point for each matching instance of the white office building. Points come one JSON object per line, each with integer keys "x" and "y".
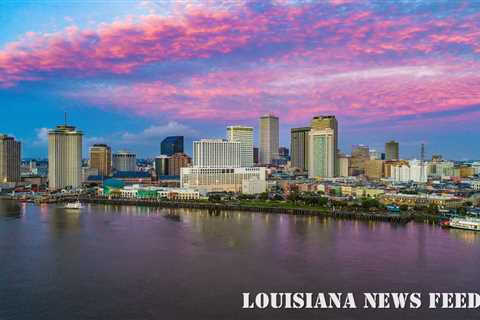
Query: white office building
{"x": 244, "y": 135}
{"x": 216, "y": 153}
{"x": 208, "y": 179}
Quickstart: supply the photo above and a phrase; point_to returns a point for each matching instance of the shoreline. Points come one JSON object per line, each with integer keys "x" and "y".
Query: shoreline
{"x": 402, "y": 218}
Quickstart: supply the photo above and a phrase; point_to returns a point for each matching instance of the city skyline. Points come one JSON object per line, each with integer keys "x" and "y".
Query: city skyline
{"x": 401, "y": 71}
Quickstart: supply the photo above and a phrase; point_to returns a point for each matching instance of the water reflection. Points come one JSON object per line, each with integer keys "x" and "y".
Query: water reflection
{"x": 11, "y": 209}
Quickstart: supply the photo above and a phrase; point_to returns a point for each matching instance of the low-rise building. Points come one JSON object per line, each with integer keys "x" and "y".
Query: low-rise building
{"x": 421, "y": 200}
{"x": 254, "y": 186}
{"x": 219, "y": 179}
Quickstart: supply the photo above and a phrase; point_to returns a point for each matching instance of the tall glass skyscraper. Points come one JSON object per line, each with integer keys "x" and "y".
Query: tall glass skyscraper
{"x": 171, "y": 145}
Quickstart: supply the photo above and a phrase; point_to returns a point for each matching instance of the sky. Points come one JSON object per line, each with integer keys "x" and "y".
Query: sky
{"x": 129, "y": 73}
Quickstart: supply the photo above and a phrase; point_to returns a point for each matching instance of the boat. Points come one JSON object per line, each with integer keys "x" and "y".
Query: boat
{"x": 73, "y": 205}
{"x": 462, "y": 223}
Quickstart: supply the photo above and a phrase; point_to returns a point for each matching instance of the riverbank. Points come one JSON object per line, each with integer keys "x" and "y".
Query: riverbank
{"x": 289, "y": 209}
{"x": 217, "y": 207}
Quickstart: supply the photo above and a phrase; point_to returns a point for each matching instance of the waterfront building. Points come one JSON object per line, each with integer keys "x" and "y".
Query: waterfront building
{"x": 64, "y": 157}
{"x": 244, "y": 135}
{"x": 161, "y": 166}
{"x": 133, "y": 177}
{"x": 392, "y": 150}
{"x": 269, "y": 139}
{"x": 421, "y": 200}
{"x": 299, "y": 148}
{"x": 343, "y": 165}
{"x": 374, "y": 169}
{"x": 138, "y": 191}
{"x": 171, "y": 145}
{"x": 124, "y": 161}
{"x": 208, "y": 179}
{"x": 101, "y": 159}
{"x": 10, "y": 159}
{"x": 216, "y": 153}
{"x": 176, "y": 162}
{"x": 360, "y": 155}
{"x": 321, "y": 153}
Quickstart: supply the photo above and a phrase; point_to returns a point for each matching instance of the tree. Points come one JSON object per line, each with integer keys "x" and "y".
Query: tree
{"x": 293, "y": 196}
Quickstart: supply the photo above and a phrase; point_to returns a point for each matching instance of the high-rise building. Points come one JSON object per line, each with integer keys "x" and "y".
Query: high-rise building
{"x": 392, "y": 150}
{"x": 161, "y": 166}
{"x": 216, "y": 153}
{"x": 255, "y": 155}
{"x": 10, "y": 158}
{"x": 269, "y": 139}
{"x": 171, "y": 145}
{"x": 178, "y": 161}
{"x": 299, "y": 148}
{"x": 374, "y": 169}
{"x": 321, "y": 162}
{"x": 244, "y": 135}
{"x": 101, "y": 159}
{"x": 124, "y": 161}
{"x": 324, "y": 132}
{"x": 360, "y": 155}
{"x": 64, "y": 157}
{"x": 344, "y": 165}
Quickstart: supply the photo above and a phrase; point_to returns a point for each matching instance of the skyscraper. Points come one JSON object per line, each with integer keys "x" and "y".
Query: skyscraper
{"x": 392, "y": 150}
{"x": 176, "y": 162}
{"x": 299, "y": 148}
{"x": 171, "y": 145}
{"x": 321, "y": 162}
{"x": 322, "y": 130}
{"x": 269, "y": 139}
{"x": 64, "y": 157}
{"x": 216, "y": 153}
{"x": 124, "y": 161}
{"x": 360, "y": 155}
{"x": 161, "y": 166}
{"x": 101, "y": 159}
{"x": 10, "y": 158}
{"x": 344, "y": 165}
{"x": 244, "y": 135}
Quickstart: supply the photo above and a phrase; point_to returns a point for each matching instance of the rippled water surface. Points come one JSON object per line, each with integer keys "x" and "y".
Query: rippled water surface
{"x": 106, "y": 262}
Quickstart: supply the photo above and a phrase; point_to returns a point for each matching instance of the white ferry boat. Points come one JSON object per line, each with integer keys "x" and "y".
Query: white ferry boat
{"x": 463, "y": 223}
{"x": 73, "y": 205}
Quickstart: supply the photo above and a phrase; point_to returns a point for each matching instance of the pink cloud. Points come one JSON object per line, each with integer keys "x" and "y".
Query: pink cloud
{"x": 124, "y": 46}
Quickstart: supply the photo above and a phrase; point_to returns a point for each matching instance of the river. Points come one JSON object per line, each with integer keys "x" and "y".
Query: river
{"x": 125, "y": 262}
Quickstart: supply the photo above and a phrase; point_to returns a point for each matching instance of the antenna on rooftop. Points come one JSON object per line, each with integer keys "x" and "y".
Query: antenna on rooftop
{"x": 422, "y": 152}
